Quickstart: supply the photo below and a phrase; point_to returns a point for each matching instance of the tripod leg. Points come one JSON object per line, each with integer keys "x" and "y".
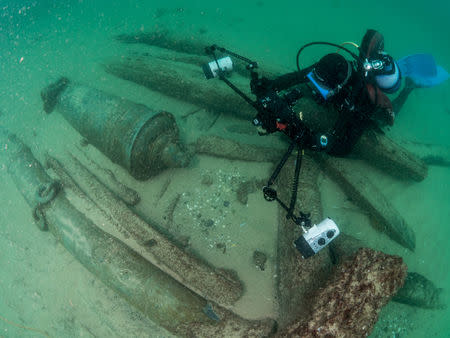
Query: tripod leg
{"x": 298, "y": 164}
{"x": 281, "y": 164}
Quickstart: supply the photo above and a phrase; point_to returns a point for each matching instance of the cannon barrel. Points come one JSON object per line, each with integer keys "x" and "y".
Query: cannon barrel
{"x": 139, "y": 139}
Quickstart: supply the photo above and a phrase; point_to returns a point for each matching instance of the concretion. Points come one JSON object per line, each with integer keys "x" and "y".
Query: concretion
{"x": 349, "y": 304}
{"x": 107, "y": 177}
{"x": 417, "y": 291}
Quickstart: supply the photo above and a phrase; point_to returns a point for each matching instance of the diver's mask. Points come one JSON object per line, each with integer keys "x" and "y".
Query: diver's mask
{"x": 384, "y": 70}
{"x": 330, "y": 75}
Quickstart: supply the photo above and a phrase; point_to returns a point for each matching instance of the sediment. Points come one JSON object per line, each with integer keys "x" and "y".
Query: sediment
{"x": 164, "y": 300}
{"x": 195, "y": 274}
{"x": 343, "y": 171}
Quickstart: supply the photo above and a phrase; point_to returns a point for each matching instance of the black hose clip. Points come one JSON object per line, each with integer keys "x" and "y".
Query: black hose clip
{"x": 270, "y": 194}
{"x": 304, "y": 220}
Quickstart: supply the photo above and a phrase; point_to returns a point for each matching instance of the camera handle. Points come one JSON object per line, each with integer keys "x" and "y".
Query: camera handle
{"x": 270, "y": 194}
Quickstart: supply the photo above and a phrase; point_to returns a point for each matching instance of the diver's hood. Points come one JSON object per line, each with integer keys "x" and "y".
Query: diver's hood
{"x": 330, "y": 74}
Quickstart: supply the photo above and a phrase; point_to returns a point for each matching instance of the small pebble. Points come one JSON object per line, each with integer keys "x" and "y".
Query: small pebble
{"x": 222, "y": 246}
{"x": 259, "y": 259}
{"x": 207, "y": 180}
{"x": 151, "y": 242}
{"x": 208, "y": 223}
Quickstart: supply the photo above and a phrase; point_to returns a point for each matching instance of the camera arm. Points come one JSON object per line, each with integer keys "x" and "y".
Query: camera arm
{"x": 251, "y": 66}
{"x": 211, "y": 51}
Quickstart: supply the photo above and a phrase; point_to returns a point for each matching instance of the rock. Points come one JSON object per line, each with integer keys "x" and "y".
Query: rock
{"x": 151, "y": 242}
{"x": 417, "y": 290}
{"x": 259, "y": 259}
{"x": 349, "y": 304}
{"x": 222, "y": 246}
{"x": 208, "y": 223}
{"x": 207, "y": 180}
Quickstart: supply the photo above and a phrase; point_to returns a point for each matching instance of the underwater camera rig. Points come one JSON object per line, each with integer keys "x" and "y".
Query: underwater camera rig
{"x": 275, "y": 113}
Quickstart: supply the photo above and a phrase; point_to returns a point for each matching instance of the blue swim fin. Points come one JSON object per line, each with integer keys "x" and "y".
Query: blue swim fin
{"x": 422, "y": 70}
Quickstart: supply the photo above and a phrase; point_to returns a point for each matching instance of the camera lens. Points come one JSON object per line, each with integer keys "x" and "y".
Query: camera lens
{"x": 321, "y": 241}
{"x": 330, "y": 233}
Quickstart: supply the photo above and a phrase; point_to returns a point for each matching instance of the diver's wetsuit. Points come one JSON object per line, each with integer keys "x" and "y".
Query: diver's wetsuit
{"x": 352, "y": 102}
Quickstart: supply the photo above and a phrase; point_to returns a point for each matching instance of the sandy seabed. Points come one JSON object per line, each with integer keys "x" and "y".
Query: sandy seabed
{"x": 42, "y": 286}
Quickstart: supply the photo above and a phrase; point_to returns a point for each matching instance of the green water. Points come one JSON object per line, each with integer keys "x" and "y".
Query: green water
{"x": 43, "y": 287}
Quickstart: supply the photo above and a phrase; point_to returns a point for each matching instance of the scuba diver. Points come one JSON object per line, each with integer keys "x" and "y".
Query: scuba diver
{"x": 355, "y": 90}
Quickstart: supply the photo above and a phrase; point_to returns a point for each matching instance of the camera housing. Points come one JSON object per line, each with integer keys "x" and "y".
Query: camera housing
{"x": 317, "y": 238}
{"x": 211, "y": 69}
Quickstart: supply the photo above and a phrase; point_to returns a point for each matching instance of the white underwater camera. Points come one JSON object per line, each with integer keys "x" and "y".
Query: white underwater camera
{"x": 211, "y": 69}
{"x": 317, "y": 237}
